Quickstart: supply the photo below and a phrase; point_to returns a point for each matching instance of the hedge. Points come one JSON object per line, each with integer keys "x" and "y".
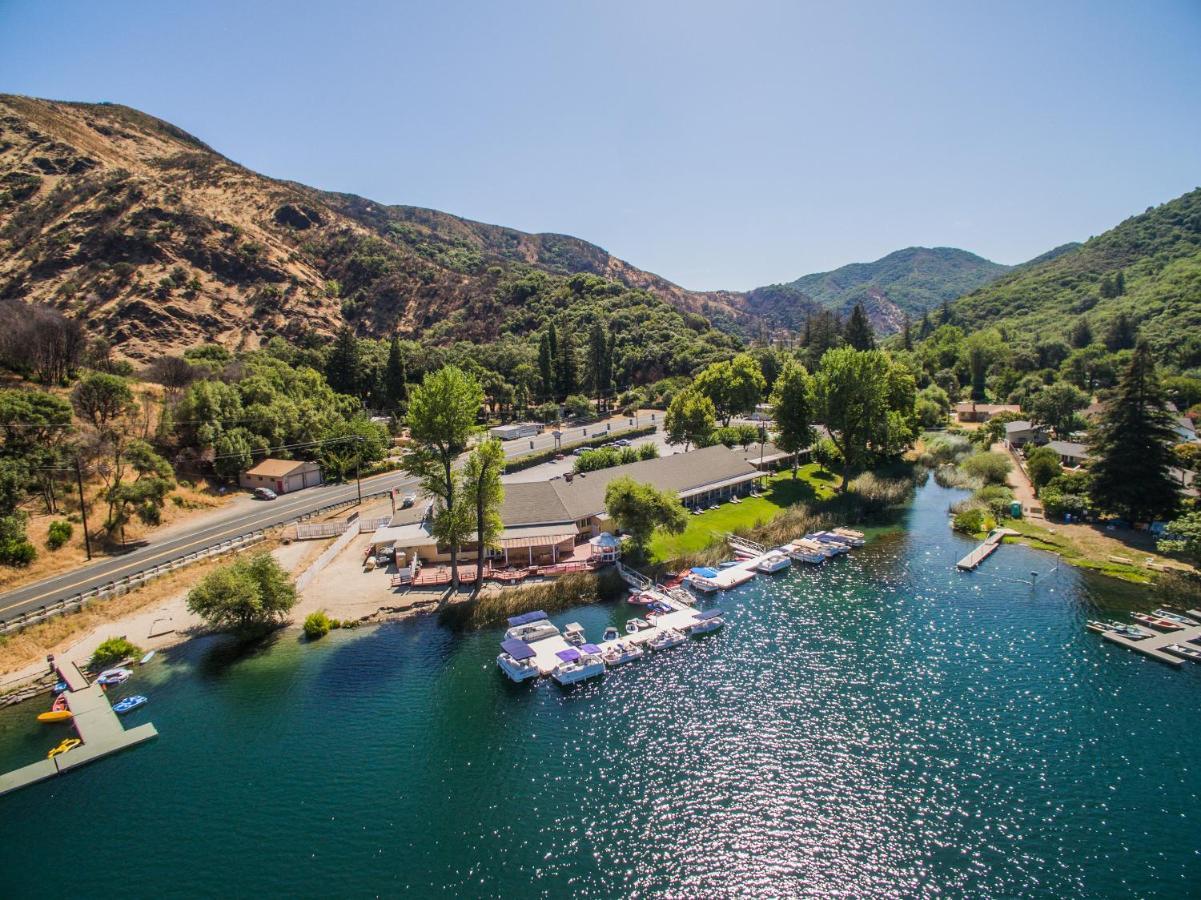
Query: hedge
{"x": 517, "y": 463}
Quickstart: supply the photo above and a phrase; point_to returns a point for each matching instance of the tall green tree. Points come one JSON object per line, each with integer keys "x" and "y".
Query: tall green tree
{"x": 396, "y": 376}
{"x": 690, "y": 418}
{"x": 546, "y": 366}
{"x": 567, "y": 367}
{"x": 859, "y": 332}
{"x": 245, "y": 595}
{"x": 484, "y": 494}
{"x": 1082, "y": 333}
{"x": 792, "y": 408}
{"x": 850, "y": 393}
{"x": 442, "y": 417}
{"x": 101, "y": 398}
{"x": 1132, "y": 446}
{"x": 906, "y": 333}
{"x": 600, "y": 362}
{"x": 982, "y": 349}
{"x": 734, "y": 386}
{"x": 36, "y": 427}
{"x": 638, "y": 509}
{"x": 1121, "y": 333}
{"x": 1056, "y": 406}
{"x": 343, "y": 369}
{"x": 823, "y": 331}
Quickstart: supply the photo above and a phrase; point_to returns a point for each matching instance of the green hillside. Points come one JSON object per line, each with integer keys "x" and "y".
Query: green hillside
{"x": 1148, "y": 267}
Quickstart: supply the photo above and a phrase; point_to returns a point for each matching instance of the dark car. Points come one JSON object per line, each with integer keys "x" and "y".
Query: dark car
{"x": 264, "y": 494}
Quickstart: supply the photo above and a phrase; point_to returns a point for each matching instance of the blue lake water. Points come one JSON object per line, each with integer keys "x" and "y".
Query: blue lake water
{"x": 879, "y": 726}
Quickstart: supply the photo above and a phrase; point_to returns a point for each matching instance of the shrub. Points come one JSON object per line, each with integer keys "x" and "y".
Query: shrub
{"x": 974, "y": 520}
{"x": 114, "y": 650}
{"x": 60, "y": 532}
{"x": 954, "y": 477}
{"x": 578, "y": 406}
{"x": 1042, "y": 465}
{"x": 826, "y": 454}
{"x": 997, "y": 498}
{"x": 877, "y": 494}
{"x": 945, "y": 448}
{"x": 648, "y": 451}
{"x": 991, "y": 468}
{"x": 245, "y": 595}
{"x": 317, "y": 624}
{"x": 15, "y": 549}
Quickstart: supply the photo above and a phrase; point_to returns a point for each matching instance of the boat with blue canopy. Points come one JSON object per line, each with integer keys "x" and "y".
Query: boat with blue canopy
{"x": 517, "y": 659}
{"x": 526, "y": 618}
{"x": 578, "y": 664}
{"x": 531, "y": 626}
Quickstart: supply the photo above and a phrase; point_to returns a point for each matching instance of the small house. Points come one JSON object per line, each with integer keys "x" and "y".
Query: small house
{"x": 1071, "y": 454}
{"x": 282, "y": 475}
{"x": 1022, "y": 432}
{"x": 982, "y": 412}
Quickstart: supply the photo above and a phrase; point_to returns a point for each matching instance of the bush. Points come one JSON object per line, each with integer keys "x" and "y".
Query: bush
{"x": 991, "y": 468}
{"x": 1042, "y": 465}
{"x": 648, "y": 451}
{"x": 245, "y": 595}
{"x": 317, "y": 624}
{"x": 60, "y": 532}
{"x": 114, "y": 650}
{"x": 578, "y": 406}
{"x": 944, "y": 448}
{"x": 997, "y": 498}
{"x": 974, "y": 520}
{"x": 827, "y": 455}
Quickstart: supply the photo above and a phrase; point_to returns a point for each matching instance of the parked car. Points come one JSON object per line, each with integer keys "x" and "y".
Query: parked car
{"x": 408, "y": 500}
{"x": 579, "y": 451}
{"x": 621, "y": 443}
{"x": 265, "y": 494}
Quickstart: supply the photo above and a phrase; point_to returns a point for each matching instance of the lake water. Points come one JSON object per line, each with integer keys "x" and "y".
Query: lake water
{"x": 879, "y": 726}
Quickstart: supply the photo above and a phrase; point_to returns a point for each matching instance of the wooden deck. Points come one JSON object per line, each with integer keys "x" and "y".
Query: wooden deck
{"x": 95, "y": 724}
{"x": 985, "y": 550}
{"x": 1152, "y": 647}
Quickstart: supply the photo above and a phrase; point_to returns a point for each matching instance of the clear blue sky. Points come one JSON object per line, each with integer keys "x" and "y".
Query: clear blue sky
{"x": 723, "y": 145}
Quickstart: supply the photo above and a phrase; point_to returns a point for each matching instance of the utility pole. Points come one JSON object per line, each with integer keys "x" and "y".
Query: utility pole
{"x": 357, "y": 482}
{"x": 83, "y": 511}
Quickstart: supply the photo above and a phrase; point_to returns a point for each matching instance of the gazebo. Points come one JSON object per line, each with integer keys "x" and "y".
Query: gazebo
{"x": 605, "y": 547}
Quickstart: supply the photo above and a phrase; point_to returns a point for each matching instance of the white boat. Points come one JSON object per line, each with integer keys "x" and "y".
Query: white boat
{"x": 830, "y": 541}
{"x": 114, "y": 676}
{"x": 702, "y": 584}
{"x": 517, "y": 660}
{"x": 826, "y": 549}
{"x": 857, "y": 538}
{"x": 611, "y": 634}
{"x": 707, "y": 621}
{"x": 577, "y": 666}
{"x": 775, "y": 561}
{"x": 573, "y": 633}
{"x": 633, "y": 626}
{"x": 621, "y": 653}
{"x": 805, "y": 551}
{"x": 1174, "y": 617}
{"x": 149, "y": 656}
{"x": 1184, "y": 652}
{"x": 666, "y": 639}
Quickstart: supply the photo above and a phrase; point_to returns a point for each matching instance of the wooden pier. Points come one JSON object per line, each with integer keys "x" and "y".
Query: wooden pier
{"x": 1152, "y": 647}
{"x": 970, "y": 562}
{"x": 96, "y": 725}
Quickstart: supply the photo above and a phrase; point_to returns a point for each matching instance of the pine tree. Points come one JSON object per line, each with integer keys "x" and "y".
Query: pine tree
{"x": 565, "y": 371}
{"x": 1082, "y": 333}
{"x": 342, "y": 369}
{"x": 946, "y": 313}
{"x": 906, "y": 334}
{"x": 1119, "y": 284}
{"x": 396, "y": 389}
{"x": 546, "y": 368}
{"x": 600, "y": 362}
{"x": 1122, "y": 333}
{"x": 859, "y": 331}
{"x": 1132, "y": 446}
{"x": 926, "y": 326}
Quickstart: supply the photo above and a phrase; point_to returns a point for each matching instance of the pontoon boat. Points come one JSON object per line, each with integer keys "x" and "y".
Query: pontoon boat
{"x": 517, "y": 660}
{"x": 578, "y": 664}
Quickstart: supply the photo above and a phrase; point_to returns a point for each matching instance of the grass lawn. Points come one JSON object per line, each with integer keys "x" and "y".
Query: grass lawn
{"x": 1041, "y": 538}
{"x": 779, "y": 491}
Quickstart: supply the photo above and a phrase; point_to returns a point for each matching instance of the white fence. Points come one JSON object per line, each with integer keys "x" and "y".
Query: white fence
{"x": 314, "y": 569}
{"x": 319, "y": 530}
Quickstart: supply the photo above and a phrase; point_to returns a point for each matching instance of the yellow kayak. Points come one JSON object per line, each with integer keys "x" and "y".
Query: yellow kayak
{"x": 56, "y": 715}
{"x": 68, "y": 744}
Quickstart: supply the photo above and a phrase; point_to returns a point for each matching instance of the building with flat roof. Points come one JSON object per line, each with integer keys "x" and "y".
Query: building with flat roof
{"x": 282, "y": 475}
{"x": 544, "y": 520}
{"x": 982, "y": 412}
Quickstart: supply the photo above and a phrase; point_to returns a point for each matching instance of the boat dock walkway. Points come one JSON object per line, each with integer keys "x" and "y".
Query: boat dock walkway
{"x": 545, "y": 650}
{"x": 985, "y": 550}
{"x": 97, "y": 726}
{"x": 1153, "y": 646}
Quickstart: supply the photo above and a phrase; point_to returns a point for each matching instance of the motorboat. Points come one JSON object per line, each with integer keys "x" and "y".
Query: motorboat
{"x": 517, "y": 659}
{"x": 681, "y": 594}
{"x": 59, "y": 687}
{"x": 621, "y": 653}
{"x": 65, "y": 747}
{"x": 1184, "y": 652}
{"x": 1174, "y": 617}
{"x": 775, "y": 561}
{"x": 805, "y": 551}
{"x": 827, "y": 548}
{"x": 666, "y": 639}
{"x": 1157, "y": 622}
{"x": 149, "y": 656}
{"x": 633, "y": 626}
{"x": 610, "y": 634}
{"x": 129, "y": 703}
{"x": 55, "y": 715}
{"x": 1131, "y": 632}
{"x": 704, "y": 585}
{"x": 530, "y": 627}
{"x": 857, "y": 538}
{"x": 114, "y": 676}
{"x": 841, "y": 544}
{"x": 573, "y": 633}
{"x": 707, "y": 621}
{"x": 578, "y": 664}
{"x": 640, "y": 598}
{"x": 729, "y": 563}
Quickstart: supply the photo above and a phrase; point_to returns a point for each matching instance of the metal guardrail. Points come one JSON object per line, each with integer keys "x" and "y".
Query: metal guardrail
{"x": 128, "y": 583}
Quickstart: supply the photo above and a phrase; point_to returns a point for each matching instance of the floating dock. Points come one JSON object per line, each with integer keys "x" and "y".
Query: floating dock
{"x": 1153, "y": 646}
{"x": 985, "y": 550}
{"x": 96, "y": 725}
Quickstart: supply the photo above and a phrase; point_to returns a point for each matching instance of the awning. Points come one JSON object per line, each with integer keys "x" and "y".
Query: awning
{"x": 708, "y": 614}
{"x": 517, "y": 649}
{"x": 571, "y": 654}
{"x": 537, "y": 536}
{"x": 590, "y": 648}
{"x": 704, "y": 571}
{"x": 718, "y": 485}
{"x": 526, "y": 618}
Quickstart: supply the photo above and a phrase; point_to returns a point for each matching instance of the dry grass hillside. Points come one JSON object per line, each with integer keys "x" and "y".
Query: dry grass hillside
{"x": 159, "y": 242}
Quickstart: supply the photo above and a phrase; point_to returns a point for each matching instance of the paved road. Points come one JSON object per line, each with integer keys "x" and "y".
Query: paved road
{"x": 240, "y": 520}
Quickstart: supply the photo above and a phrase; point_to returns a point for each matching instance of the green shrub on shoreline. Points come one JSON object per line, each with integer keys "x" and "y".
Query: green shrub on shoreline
{"x": 316, "y": 625}
{"x": 114, "y": 650}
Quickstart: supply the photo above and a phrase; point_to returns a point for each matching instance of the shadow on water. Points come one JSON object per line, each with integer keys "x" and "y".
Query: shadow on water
{"x": 220, "y": 653}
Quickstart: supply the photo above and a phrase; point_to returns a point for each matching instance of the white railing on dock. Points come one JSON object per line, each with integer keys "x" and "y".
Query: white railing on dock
{"x": 741, "y": 543}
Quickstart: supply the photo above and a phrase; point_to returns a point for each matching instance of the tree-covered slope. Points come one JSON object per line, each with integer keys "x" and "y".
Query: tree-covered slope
{"x": 909, "y": 281}
{"x": 1149, "y": 267}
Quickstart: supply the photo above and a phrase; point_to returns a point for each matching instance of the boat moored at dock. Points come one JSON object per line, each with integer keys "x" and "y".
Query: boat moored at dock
{"x": 517, "y": 660}
{"x": 1184, "y": 651}
{"x": 806, "y": 551}
{"x": 1174, "y": 617}
{"x": 856, "y": 538}
{"x": 665, "y": 640}
{"x": 1157, "y": 622}
{"x": 530, "y": 627}
{"x": 775, "y": 561}
{"x": 578, "y": 664}
{"x": 706, "y": 622}
{"x": 622, "y": 652}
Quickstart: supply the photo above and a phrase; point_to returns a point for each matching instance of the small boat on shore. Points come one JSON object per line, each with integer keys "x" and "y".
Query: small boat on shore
{"x": 516, "y": 660}
{"x": 578, "y": 664}
{"x": 65, "y": 747}
{"x": 55, "y": 715}
{"x": 1184, "y": 652}
{"x": 664, "y": 640}
{"x": 129, "y": 703}
{"x": 775, "y": 561}
{"x": 149, "y": 656}
{"x": 1156, "y": 622}
{"x": 621, "y": 653}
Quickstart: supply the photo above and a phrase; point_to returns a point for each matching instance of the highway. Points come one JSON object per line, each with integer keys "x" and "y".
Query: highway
{"x": 241, "y": 520}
